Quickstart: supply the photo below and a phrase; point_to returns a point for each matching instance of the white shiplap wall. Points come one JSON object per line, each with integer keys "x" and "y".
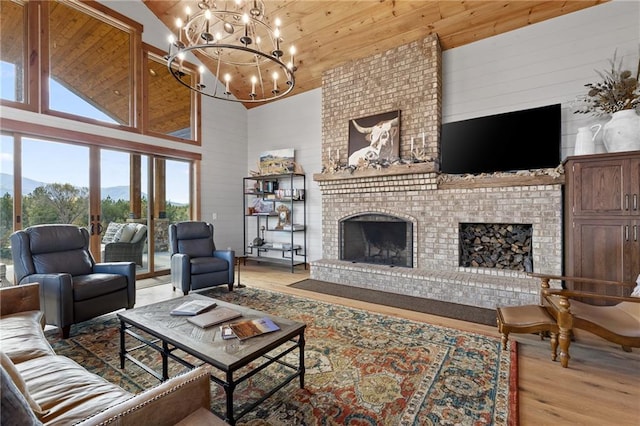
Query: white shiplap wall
{"x": 294, "y": 122}
{"x": 542, "y": 64}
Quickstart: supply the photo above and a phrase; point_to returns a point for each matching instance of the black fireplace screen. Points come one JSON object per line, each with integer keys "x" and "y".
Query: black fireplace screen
{"x": 377, "y": 239}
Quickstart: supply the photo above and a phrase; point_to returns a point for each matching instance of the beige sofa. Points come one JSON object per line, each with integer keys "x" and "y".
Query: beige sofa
{"x": 40, "y": 387}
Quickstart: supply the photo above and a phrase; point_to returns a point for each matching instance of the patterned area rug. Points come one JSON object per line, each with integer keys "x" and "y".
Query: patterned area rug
{"x": 362, "y": 368}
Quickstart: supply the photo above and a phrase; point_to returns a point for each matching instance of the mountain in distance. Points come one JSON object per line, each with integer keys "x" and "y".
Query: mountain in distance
{"x": 29, "y": 185}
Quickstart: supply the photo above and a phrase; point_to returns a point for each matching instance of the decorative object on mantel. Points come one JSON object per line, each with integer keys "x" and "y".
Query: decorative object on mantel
{"x": 244, "y": 47}
{"x": 333, "y": 166}
{"x": 586, "y": 140}
{"x": 554, "y": 173}
{"x": 618, "y": 94}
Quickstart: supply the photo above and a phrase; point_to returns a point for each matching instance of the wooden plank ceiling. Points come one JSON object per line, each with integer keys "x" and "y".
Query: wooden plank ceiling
{"x": 327, "y": 34}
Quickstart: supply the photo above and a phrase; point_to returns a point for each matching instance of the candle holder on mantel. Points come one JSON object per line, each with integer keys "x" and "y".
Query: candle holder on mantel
{"x": 419, "y": 155}
{"x": 332, "y": 165}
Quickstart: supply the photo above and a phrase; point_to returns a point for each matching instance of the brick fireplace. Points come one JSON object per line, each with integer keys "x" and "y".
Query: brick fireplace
{"x": 432, "y": 205}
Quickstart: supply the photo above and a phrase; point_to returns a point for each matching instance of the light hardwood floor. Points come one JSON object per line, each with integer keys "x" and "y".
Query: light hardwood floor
{"x": 600, "y": 387}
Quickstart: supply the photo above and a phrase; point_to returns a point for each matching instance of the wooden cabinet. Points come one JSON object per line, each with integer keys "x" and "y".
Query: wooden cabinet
{"x": 602, "y": 217}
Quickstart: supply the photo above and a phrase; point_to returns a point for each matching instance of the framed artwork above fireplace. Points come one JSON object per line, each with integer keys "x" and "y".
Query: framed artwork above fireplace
{"x": 374, "y": 138}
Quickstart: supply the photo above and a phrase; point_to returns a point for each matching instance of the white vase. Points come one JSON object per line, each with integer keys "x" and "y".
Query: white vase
{"x": 586, "y": 140}
{"x": 622, "y": 132}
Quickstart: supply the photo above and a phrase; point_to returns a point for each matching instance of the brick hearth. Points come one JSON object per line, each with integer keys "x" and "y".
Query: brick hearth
{"x": 436, "y": 214}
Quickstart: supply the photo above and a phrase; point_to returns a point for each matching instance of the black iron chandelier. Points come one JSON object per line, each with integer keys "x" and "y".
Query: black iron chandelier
{"x": 246, "y": 49}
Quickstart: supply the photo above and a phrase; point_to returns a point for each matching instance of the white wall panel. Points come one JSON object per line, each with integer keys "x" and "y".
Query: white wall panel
{"x": 294, "y": 122}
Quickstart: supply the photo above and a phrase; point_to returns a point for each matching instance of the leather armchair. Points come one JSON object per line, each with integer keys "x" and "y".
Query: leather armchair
{"x": 195, "y": 262}
{"x": 73, "y": 288}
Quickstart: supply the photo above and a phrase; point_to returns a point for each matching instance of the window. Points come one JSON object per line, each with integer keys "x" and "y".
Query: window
{"x": 12, "y": 51}
{"x": 91, "y": 58}
{"x": 169, "y": 104}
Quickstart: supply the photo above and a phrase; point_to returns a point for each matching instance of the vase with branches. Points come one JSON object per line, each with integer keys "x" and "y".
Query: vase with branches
{"x": 617, "y": 95}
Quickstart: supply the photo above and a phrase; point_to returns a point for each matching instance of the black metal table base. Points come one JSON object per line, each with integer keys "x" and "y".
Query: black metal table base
{"x": 229, "y": 384}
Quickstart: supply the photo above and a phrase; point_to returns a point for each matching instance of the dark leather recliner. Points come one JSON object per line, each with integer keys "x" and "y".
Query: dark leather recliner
{"x": 73, "y": 287}
{"x": 195, "y": 262}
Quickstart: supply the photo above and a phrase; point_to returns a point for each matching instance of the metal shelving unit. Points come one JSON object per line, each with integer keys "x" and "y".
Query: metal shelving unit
{"x": 275, "y": 219}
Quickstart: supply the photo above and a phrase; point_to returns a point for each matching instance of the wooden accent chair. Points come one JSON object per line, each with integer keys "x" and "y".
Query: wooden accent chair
{"x": 619, "y": 323}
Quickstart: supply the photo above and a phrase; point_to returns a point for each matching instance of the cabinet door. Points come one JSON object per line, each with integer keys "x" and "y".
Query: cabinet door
{"x": 602, "y": 249}
{"x": 600, "y": 187}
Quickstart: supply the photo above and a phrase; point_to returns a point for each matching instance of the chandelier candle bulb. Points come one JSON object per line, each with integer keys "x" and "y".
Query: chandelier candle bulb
{"x": 412, "y": 144}
{"x": 227, "y": 79}
{"x": 179, "y": 25}
{"x": 253, "y": 85}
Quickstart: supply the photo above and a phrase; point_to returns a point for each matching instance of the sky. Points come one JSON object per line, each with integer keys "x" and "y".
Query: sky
{"x": 53, "y": 162}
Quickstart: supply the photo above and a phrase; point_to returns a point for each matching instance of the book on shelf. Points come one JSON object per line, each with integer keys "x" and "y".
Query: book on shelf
{"x": 294, "y": 227}
{"x": 214, "y": 316}
{"x": 193, "y": 307}
{"x": 254, "y": 327}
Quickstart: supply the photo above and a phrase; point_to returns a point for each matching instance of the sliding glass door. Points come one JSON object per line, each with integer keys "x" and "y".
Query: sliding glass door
{"x": 101, "y": 189}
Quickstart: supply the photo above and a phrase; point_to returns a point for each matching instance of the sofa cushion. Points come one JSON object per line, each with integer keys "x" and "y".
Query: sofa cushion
{"x": 141, "y": 232}
{"x": 17, "y": 379}
{"x": 95, "y": 285}
{"x": 110, "y": 232}
{"x": 14, "y": 409}
{"x": 74, "y": 262}
{"x": 125, "y": 233}
{"x": 53, "y": 238}
{"x": 67, "y": 390}
{"x": 205, "y": 265}
{"x": 22, "y": 336}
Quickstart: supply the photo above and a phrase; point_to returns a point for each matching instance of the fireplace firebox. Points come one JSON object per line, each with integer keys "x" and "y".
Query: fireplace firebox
{"x": 377, "y": 239}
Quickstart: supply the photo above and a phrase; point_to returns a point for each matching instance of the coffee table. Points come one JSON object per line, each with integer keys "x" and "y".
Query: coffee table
{"x": 170, "y": 333}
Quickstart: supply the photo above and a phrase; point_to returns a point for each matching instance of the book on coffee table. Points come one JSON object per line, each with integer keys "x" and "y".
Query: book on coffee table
{"x": 255, "y": 327}
{"x": 193, "y": 307}
{"x": 214, "y": 316}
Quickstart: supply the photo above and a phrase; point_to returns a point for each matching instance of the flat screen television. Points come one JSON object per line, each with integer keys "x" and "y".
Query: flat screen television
{"x": 518, "y": 140}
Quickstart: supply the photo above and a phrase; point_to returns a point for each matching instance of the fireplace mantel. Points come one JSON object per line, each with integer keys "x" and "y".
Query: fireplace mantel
{"x": 395, "y": 170}
{"x": 445, "y": 181}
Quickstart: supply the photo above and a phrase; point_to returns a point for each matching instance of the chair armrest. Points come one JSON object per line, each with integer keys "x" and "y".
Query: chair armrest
{"x": 165, "y": 404}
{"x": 121, "y": 268}
{"x": 572, "y": 294}
{"x": 20, "y": 298}
{"x": 56, "y": 297}
{"x": 545, "y": 278}
{"x": 181, "y": 271}
{"x": 229, "y": 256}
